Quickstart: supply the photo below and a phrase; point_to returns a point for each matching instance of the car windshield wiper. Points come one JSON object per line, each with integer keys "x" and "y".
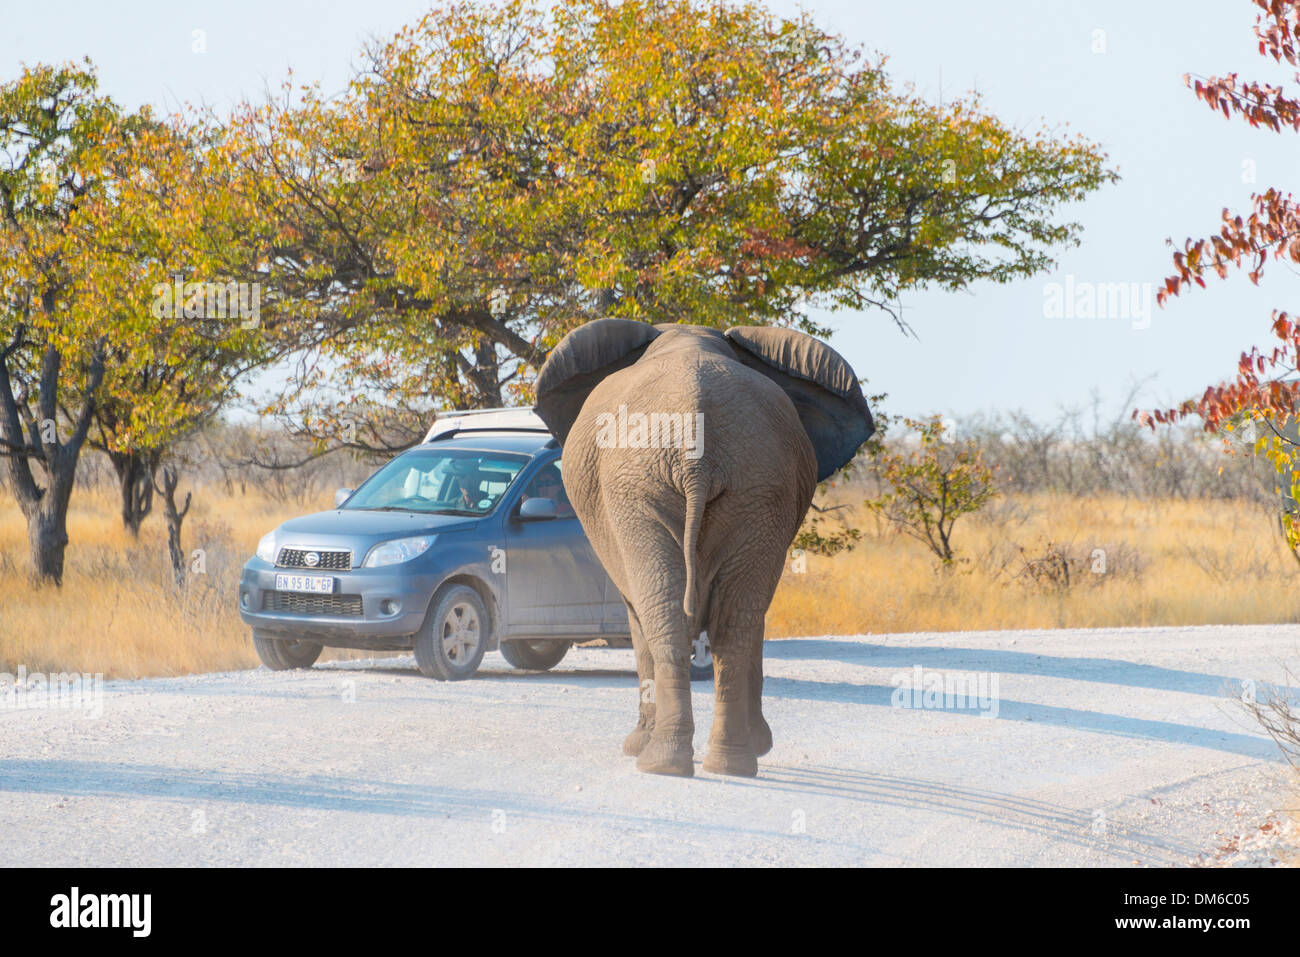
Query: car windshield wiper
{"x": 419, "y": 511}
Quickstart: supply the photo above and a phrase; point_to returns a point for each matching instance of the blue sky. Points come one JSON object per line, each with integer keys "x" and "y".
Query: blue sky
{"x": 1111, "y": 70}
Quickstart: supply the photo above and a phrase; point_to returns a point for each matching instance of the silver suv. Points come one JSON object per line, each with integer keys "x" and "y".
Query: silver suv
{"x": 460, "y": 546}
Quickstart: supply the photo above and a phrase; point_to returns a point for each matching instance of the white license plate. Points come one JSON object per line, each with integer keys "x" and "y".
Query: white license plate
{"x": 316, "y": 584}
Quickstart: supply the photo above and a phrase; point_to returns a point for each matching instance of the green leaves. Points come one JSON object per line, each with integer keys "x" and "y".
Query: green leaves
{"x": 926, "y": 488}
{"x": 98, "y": 210}
{"x": 662, "y": 161}
{"x": 496, "y": 175}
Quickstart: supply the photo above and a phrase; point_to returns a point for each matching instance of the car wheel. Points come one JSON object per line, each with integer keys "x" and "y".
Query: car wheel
{"x": 534, "y": 655}
{"x": 701, "y": 658}
{"x": 280, "y": 654}
{"x": 451, "y": 642}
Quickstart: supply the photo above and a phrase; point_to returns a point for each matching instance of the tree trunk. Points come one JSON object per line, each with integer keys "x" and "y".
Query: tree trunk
{"x": 175, "y": 518}
{"x": 486, "y": 374}
{"x": 47, "y": 517}
{"x": 47, "y": 536}
{"x": 135, "y": 476}
{"x": 29, "y": 434}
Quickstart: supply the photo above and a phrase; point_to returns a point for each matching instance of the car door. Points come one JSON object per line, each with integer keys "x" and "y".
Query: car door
{"x": 555, "y": 586}
{"x": 615, "y": 618}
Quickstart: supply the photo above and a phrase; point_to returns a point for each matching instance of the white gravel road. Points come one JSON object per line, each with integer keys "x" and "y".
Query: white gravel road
{"x": 1103, "y": 747}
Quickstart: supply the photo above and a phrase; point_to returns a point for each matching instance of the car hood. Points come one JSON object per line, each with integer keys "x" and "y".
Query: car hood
{"x": 358, "y": 529}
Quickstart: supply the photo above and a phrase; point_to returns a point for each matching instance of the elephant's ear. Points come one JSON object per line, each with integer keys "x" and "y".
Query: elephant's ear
{"x": 577, "y": 365}
{"x": 822, "y": 386}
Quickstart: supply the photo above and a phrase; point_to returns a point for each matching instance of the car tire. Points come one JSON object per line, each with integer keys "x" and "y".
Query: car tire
{"x": 701, "y": 658}
{"x": 449, "y": 645}
{"x": 534, "y": 655}
{"x": 280, "y": 654}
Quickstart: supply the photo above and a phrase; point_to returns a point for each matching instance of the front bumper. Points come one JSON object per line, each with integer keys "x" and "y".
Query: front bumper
{"x": 370, "y": 607}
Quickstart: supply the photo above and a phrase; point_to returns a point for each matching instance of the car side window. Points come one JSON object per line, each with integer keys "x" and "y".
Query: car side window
{"x": 549, "y": 483}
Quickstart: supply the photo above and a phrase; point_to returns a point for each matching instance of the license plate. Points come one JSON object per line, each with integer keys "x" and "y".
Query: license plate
{"x": 316, "y": 584}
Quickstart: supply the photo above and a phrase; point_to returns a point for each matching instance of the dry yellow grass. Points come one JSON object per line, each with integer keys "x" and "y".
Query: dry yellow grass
{"x": 118, "y": 611}
{"x": 1168, "y": 563}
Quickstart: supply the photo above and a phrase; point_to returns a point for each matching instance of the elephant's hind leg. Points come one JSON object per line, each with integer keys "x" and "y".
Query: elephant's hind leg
{"x": 636, "y": 741}
{"x": 737, "y": 645}
{"x": 656, "y": 580}
{"x": 670, "y": 748}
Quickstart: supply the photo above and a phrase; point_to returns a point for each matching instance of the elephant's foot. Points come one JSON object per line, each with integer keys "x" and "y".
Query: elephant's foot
{"x": 667, "y": 756}
{"x": 738, "y": 761}
{"x": 760, "y": 736}
{"x": 636, "y": 741}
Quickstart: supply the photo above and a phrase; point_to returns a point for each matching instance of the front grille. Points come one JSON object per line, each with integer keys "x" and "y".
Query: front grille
{"x": 335, "y": 606}
{"x": 333, "y": 561}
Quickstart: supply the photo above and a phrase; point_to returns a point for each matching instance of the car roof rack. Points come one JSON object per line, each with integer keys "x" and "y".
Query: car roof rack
{"x": 448, "y": 424}
{"x": 452, "y": 433}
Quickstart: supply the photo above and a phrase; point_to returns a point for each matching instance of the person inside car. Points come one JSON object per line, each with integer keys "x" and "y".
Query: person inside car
{"x": 465, "y": 489}
{"x": 548, "y": 484}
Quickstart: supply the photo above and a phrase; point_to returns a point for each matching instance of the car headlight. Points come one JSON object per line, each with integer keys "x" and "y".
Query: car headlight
{"x": 398, "y": 550}
{"x": 266, "y": 548}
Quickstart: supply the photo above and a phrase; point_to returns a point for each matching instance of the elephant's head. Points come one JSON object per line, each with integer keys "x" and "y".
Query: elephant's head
{"x": 821, "y": 385}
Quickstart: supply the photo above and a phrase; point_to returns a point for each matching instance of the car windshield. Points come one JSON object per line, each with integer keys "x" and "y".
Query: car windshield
{"x": 445, "y": 481}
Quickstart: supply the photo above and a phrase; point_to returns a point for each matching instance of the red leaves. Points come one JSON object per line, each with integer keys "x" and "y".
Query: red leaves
{"x": 761, "y": 243}
{"x": 1251, "y": 391}
{"x": 1259, "y": 103}
{"x": 1278, "y": 39}
{"x": 1272, "y": 227}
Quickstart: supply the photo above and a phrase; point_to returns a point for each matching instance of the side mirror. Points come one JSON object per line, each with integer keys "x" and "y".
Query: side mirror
{"x": 537, "y": 510}
{"x": 341, "y": 496}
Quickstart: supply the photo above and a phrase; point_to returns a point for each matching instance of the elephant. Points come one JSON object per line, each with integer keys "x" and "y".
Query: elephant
{"x": 691, "y": 457}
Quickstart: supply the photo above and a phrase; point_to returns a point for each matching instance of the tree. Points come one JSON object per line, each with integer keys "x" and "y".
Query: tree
{"x": 497, "y": 175}
{"x": 179, "y": 282}
{"x": 105, "y": 215}
{"x": 1265, "y": 390}
{"x": 926, "y": 489}
{"x": 53, "y": 352}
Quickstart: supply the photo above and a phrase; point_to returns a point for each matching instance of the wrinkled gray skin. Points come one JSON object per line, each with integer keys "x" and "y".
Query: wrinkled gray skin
{"x": 699, "y": 543}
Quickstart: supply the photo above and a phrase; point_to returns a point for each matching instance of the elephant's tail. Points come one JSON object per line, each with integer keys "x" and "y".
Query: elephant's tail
{"x": 694, "y": 515}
